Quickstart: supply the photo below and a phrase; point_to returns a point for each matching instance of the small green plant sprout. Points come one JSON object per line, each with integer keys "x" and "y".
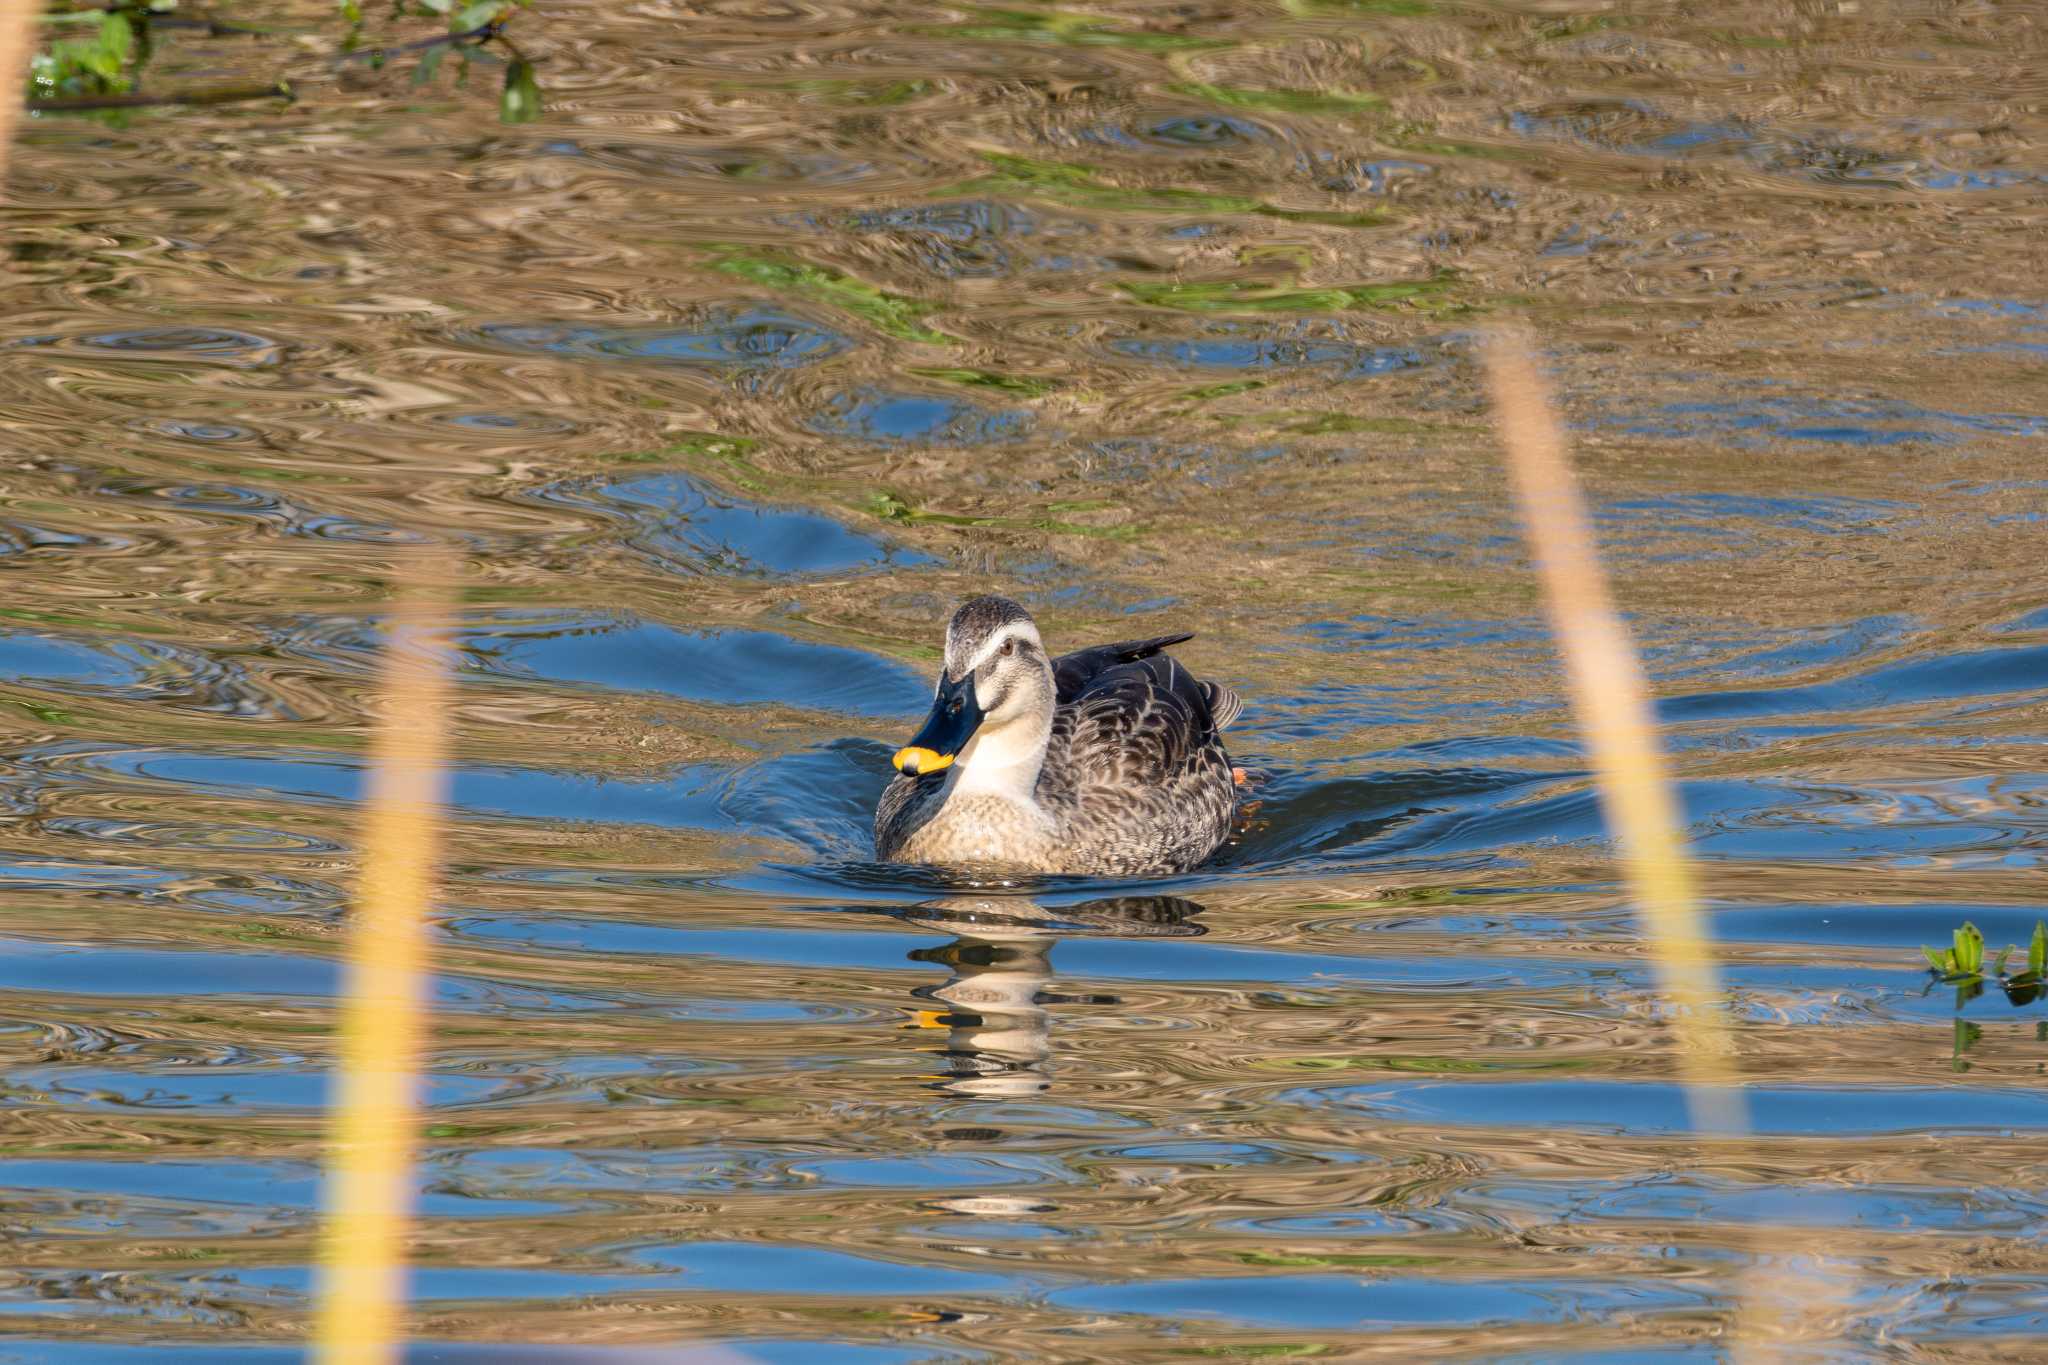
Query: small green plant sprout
{"x": 1962, "y": 965}
{"x": 1963, "y": 961}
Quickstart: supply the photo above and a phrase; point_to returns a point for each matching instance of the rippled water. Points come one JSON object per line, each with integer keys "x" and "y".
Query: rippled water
{"x": 792, "y": 323}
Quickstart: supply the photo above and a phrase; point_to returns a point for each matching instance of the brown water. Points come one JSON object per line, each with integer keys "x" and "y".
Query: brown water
{"x": 788, "y": 325}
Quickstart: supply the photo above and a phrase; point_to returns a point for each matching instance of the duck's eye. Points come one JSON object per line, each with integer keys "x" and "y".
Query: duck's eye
{"x": 1009, "y": 647}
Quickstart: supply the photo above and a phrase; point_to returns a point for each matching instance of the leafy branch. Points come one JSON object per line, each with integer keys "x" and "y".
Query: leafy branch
{"x": 98, "y": 64}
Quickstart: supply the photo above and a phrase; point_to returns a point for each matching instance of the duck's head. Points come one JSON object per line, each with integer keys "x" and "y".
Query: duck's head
{"x": 994, "y": 700}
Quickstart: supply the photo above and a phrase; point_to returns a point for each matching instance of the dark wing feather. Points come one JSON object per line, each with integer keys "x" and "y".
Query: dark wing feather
{"x": 1072, "y": 673}
{"x": 1136, "y": 725}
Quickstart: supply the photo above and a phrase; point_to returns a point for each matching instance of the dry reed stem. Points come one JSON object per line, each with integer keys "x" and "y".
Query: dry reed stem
{"x": 373, "y": 1104}
{"x": 1613, "y": 709}
{"x": 17, "y": 39}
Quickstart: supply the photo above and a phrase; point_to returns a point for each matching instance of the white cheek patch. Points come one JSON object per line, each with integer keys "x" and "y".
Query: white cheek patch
{"x": 1023, "y": 631}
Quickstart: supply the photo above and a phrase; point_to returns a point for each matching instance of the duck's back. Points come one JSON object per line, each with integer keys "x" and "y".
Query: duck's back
{"x": 1136, "y": 774}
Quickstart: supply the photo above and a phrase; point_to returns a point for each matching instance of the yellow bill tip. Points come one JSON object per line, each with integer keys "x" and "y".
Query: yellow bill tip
{"x": 917, "y": 762}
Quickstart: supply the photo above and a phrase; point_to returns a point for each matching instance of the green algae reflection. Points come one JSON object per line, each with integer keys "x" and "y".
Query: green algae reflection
{"x": 1067, "y": 29}
{"x": 893, "y": 507}
{"x": 1056, "y": 182}
{"x": 899, "y": 315}
{"x": 1281, "y": 101}
{"x": 1023, "y": 385}
{"x": 1251, "y": 296}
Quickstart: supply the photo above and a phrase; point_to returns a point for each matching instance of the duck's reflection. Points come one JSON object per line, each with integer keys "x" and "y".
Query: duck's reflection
{"x": 994, "y": 1005}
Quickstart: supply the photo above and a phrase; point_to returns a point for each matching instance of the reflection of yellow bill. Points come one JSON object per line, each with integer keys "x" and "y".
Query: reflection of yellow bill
{"x": 918, "y": 762}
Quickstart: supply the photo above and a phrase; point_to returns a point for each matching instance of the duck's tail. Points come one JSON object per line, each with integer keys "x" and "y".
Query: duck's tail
{"x": 1224, "y": 705}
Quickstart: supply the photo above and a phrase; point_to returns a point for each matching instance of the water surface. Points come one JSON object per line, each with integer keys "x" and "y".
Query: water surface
{"x": 789, "y": 326}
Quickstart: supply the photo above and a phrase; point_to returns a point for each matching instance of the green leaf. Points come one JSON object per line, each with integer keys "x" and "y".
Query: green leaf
{"x": 351, "y": 11}
{"x": 87, "y": 66}
{"x": 521, "y": 101}
{"x": 116, "y": 43}
{"x": 1937, "y": 960}
{"x": 2037, "y": 951}
{"x": 1969, "y": 951}
{"x": 439, "y": 6}
{"x": 429, "y": 64}
{"x": 476, "y": 15}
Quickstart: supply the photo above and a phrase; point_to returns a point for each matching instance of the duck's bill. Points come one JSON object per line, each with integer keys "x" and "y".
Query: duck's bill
{"x": 955, "y": 717}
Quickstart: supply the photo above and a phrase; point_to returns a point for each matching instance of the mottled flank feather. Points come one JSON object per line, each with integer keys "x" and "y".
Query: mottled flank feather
{"x": 1135, "y": 779}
